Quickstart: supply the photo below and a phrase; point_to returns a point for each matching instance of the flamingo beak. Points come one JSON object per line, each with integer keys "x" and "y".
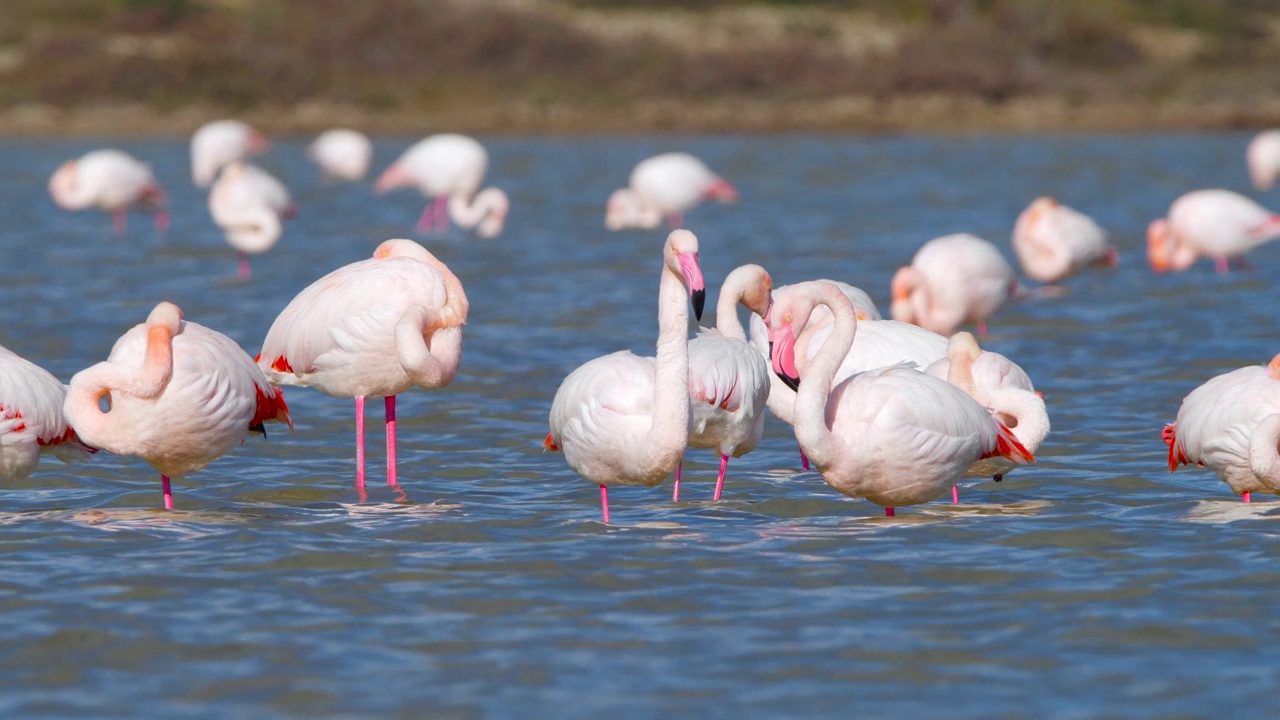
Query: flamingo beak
{"x": 692, "y": 272}
{"x": 782, "y": 355}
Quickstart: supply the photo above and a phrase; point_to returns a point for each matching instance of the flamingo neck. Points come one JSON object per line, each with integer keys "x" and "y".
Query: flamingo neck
{"x": 810, "y": 423}
{"x": 727, "y": 321}
{"x": 669, "y": 433}
{"x": 1023, "y": 412}
{"x": 255, "y": 230}
{"x": 429, "y": 340}
{"x": 1264, "y": 457}
{"x": 146, "y": 383}
{"x": 486, "y": 211}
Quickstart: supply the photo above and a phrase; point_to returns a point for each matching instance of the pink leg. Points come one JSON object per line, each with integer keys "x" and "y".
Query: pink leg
{"x": 889, "y": 512}
{"x": 804, "y": 459}
{"x": 675, "y": 220}
{"x": 982, "y": 329}
{"x": 426, "y": 220}
{"x": 243, "y": 267}
{"x": 604, "y": 503}
{"x": 1245, "y": 497}
{"x": 442, "y": 214}
{"x": 162, "y": 221}
{"x": 675, "y": 494}
{"x": 391, "y": 439}
{"x": 724, "y": 465}
{"x": 119, "y": 222}
{"x": 955, "y": 495}
{"x": 1220, "y": 264}
{"x": 360, "y": 444}
{"x": 168, "y": 492}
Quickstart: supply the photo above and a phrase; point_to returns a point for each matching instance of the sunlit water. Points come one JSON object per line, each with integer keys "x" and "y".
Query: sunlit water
{"x": 1092, "y": 584}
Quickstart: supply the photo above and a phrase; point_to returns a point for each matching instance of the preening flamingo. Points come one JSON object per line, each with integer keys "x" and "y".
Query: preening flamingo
{"x": 1219, "y": 224}
{"x": 250, "y": 205}
{"x": 374, "y": 328}
{"x": 179, "y": 395}
{"x": 112, "y": 181}
{"x": 449, "y": 169}
{"x": 1231, "y": 425}
{"x": 344, "y": 154}
{"x": 894, "y": 435}
{"x": 31, "y": 420}
{"x": 952, "y": 280}
{"x": 219, "y": 143}
{"x": 622, "y": 419}
{"x": 1054, "y": 242}
{"x": 665, "y": 186}
{"x": 728, "y": 378}
{"x": 1263, "y": 159}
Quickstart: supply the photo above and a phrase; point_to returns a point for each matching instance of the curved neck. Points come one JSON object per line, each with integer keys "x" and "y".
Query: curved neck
{"x": 1023, "y": 412}
{"x": 255, "y": 230}
{"x": 429, "y": 340}
{"x": 669, "y": 433}
{"x": 147, "y": 382}
{"x": 810, "y": 425}
{"x": 1264, "y": 458}
{"x": 470, "y": 212}
{"x": 727, "y": 321}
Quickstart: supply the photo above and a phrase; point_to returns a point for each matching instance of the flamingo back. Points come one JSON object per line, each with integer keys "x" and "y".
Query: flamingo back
{"x": 1215, "y": 423}
{"x": 446, "y": 164}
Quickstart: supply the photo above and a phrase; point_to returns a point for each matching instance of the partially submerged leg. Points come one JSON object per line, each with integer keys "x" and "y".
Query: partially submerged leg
{"x": 390, "y": 403}
{"x": 360, "y": 443}
{"x": 119, "y": 222}
{"x": 242, "y": 266}
{"x": 955, "y": 494}
{"x": 604, "y": 503}
{"x": 804, "y": 459}
{"x": 724, "y": 465}
{"x": 168, "y": 492}
{"x": 675, "y": 494}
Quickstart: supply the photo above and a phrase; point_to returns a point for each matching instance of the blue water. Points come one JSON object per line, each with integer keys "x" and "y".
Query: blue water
{"x": 1094, "y": 584}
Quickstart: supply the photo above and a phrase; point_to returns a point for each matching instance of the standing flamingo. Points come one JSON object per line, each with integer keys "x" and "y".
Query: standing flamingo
{"x": 894, "y": 435}
{"x": 1231, "y": 425}
{"x": 374, "y": 328}
{"x": 179, "y": 395}
{"x": 622, "y": 419}
{"x": 665, "y": 186}
{"x": 1208, "y": 223}
{"x": 31, "y": 420}
{"x": 343, "y": 154}
{"x": 1263, "y": 159}
{"x": 449, "y": 169}
{"x": 219, "y": 143}
{"x": 1054, "y": 242}
{"x": 728, "y": 378}
{"x": 952, "y": 280}
{"x": 250, "y": 205}
{"x": 112, "y": 181}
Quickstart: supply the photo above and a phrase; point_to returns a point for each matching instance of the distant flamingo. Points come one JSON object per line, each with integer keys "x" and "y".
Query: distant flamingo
{"x": 250, "y": 205}
{"x": 112, "y": 181}
{"x": 1231, "y": 425}
{"x": 343, "y": 154}
{"x": 1263, "y": 159}
{"x": 374, "y": 328}
{"x": 219, "y": 143}
{"x": 894, "y": 435}
{"x": 31, "y": 421}
{"x": 179, "y": 396}
{"x": 449, "y": 169}
{"x": 665, "y": 186}
{"x": 952, "y": 280}
{"x": 622, "y": 419}
{"x": 1209, "y": 223}
{"x": 728, "y": 378}
{"x": 1054, "y": 242}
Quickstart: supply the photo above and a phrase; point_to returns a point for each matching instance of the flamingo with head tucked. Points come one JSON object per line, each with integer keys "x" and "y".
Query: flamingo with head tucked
{"x": 1263, "y": 159}
{"x": 1219, "y": 224}
{"x": 178, "y": 394}
{"x": 112, "y": 181}
{"x": 665, "y": 186}
{"x": 449, "y": 169}
{"x": 952, "y": 280}
{"x": 250, "y": 205}
{"x": 1054, "y": 242}
{"x": 342, "y": 153}
{"x": 219, "y": 143}
{"x": 622, "y": 419}
{"x": 31, "y": 419}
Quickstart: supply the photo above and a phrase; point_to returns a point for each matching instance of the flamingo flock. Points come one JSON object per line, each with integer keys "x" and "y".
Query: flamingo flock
{"x": 897, "y": 412}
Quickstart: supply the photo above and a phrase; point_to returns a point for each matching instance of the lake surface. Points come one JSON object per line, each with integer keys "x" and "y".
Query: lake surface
{"x": 1094, "y": 584}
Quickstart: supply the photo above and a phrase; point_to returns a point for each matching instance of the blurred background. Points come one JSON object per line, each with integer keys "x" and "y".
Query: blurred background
{"x": 147, "y": 66}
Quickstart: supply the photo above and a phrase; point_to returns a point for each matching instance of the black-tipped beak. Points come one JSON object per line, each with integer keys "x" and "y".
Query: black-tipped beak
{"x": 259, "y": 428}
{"x": 699, "y": 299}
{"x": 793, "y": 383}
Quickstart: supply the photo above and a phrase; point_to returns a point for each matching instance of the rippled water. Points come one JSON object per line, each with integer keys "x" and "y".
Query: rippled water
{"x": 1093, "y": 584}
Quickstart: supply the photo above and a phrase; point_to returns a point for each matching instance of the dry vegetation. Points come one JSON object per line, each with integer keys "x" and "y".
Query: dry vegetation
{"x": 516, "y": 65}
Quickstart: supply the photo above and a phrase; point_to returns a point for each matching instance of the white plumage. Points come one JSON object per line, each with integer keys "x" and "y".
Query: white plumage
{"x": 952, "y": 280}
{"x": 219, "y": 143}
{"x": 665, "y": 187}
{"x": 342, "y": 153}
{"x": 31, "y": 419}
{"x": 1054, "y": 242}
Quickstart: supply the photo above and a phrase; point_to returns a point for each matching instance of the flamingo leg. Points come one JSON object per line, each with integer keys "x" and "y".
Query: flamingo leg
{"x": 675, "y": 220}
{"x": 982, "y": 329}
{"x": 675, "y": 494}
{"x": 390, "y": 402}
{"x": 427, "y": 219}
{"x": 724, "y": 465}
{"x": 604, "y": 503}
{"x": 168, "y": 492}
{"x": 955, "y": 494}
{"x": 442, "y": 214}
{"x": 1245, "y": 496}
{"x": 1220, "y": 264}
{"x": 119, "y": 222}
{"x": 162, "y": 221}
{"x": 804, "y": 459}
{"x": 360, "y": 444}
{"x": 242, "y": 266}
{"x": 889, "y": 512}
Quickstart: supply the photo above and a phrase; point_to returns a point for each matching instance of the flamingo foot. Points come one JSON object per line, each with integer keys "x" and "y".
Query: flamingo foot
{"x": 604, "y": 503}
{"x": 889, "y": 512}
{"x": 1245, "y": 496}
{"x": 360, "y": 447}
{"x": 804, "y": 460}
{"x": 168, "y": 492}
{"x": 390, "y": 404}
{"x": 724, "y": 465}
{"x": 242, "y": 267}
{"x": 675, "y": 494}
{"x": 955, "y": 495}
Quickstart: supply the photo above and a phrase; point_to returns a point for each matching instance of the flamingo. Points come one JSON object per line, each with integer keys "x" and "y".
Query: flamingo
{"x": 1001, "y": 386}
{"x": 893, "y": 435}
{"x": 31, "y": 420}
{"x": 665, "y": 186}
{"x": 1231, "y": 425}
{"x": 221, "y": 142}
{"x": 622, "y": 419}
{"x": 113, "y": 181}
{"x": 952, "y": 280}
{"x": 1208, "y": 223}
{"x": 250, "y": 205}
{"x": 343, "y": 154}
{"x": 1263, "y": 159}
{"x": 449, "y": 169}
{"x": 179, "y": 395}
{"x": 728, "y": 378}
{"x": 1054, "y": 242}
{"x": 374, "y": 328}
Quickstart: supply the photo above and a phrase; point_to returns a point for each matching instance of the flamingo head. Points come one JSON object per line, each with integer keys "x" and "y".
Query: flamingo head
{"x": 395, "y": 176}
{"x": 903, "y": 286}
{"x": 757, "y": 288}
{"x": 62, "y": 186}
{"x": 721, "y": 190}
{"x": 1273, "y": 368}
{"x": 626, "y": 210}
{"x": 499, "y": 205}
{"x": 681, "y": 256}
{"x": 1161, "y": 245}
{"x": 786, "y": 319}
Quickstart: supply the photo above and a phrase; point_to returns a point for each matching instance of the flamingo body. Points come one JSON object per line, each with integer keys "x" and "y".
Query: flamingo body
{"x": 1054, "y": 242}
{"x": 665, "y": 186}
{"x": 952, "y": 280}
{"x": 31, "y": 419}
{"x": 109, "y": 180}
{"x": 450, "y": 168}
{"x": 1218, "y": 224}
{"x": 219, "y": 143}
{"x": 1263, "y": 159}
{"x": 344, "y": 154}
{"x": 250, "y": 205}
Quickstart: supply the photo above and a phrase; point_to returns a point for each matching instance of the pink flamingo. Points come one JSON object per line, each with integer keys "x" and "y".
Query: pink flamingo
{"x": 109, "y": 180}
{"x": 622, "y": 419}
{"x": 343, "y": 154}
{"x": 728, "y": 378}
{"x": 1208, "y": 223}
{"x": 1054, "y": 242}
{"x": 219, "y": 143}
{"x": 894, "y": 435}
{"x": 1263, "y": 159}
{"x": 1231, "y": 425}
{"x": 665, "y": 186}
{"x": 31, "y": 420}
{"x": 250, "y": 205}
{"x": 179, "y": 395}
{"x": 449, "y": 169}
{"x": 952, "y": 280}
{"x": 374, "y": 328}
